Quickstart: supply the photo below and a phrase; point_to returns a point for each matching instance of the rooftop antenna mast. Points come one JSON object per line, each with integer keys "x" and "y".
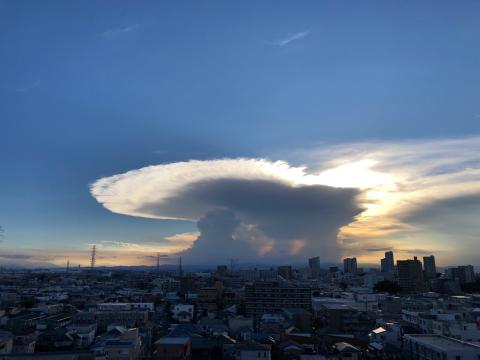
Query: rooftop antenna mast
{"x": 93, "y": 257}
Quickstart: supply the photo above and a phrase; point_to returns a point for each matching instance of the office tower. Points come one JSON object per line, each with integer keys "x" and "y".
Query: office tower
{"x": 429, "y": 268}
{"x": 350, "y": 265}
{"x": 464, "y": 274}
{"x": 387, "y": 263}
{"x": 383, "y": 265}
{"x": 264, "y": 297}
{"x": 410, "y": 274}
{"x": 314, "y": 266}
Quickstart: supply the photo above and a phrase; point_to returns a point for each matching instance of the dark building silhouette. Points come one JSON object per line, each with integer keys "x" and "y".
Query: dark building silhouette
{"x": 387, "y": 263}
{"x": 410, "y": 274}
{"x": 350, "y": 265}
{"x": 314, "y": 266}
{"x": 429, "y": 268}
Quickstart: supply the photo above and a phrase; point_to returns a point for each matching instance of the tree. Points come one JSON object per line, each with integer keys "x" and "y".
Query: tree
{"x": 471, "y": 287}
{"x": 387, "y": 286}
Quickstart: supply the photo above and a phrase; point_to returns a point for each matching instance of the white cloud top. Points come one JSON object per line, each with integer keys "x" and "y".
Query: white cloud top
{"x": 128, "y": 193}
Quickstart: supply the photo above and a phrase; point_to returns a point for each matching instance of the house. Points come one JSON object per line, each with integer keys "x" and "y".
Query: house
{"x": 238, "y": 323}
{"x": 212, "y": 326}
{"x": 173, "y": 348}
{"x": 182, "y": 313}
{"x": 119, "y": 343}
{"x": 86, "y": 333}
{"x": 345, "y": 351}
{"x": 252, "y": 351}
{"x": 6, "y": 342}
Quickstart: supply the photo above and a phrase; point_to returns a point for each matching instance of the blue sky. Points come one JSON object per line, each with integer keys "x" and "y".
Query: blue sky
{"x": 92, "y": 89}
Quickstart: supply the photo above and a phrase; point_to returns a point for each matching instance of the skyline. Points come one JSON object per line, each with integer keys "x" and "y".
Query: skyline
{"x": 264, "y": 132}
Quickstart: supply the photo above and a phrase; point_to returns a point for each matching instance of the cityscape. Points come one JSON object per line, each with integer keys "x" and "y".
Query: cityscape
{"x": 239, "y": 180}
{"x": 406, "y": 309}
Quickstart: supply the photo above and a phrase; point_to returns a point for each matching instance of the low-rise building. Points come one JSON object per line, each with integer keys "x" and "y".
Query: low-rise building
{"x": 268, "y": 297}
{"x": 252, "y": 351}
{"x": 173, "y": 348}
{"x": 434, "y": 347}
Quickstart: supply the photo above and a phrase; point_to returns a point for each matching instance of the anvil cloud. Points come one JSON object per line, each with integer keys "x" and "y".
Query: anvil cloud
{"x": 351, "y": 197}
{"x": 245, "y": 208}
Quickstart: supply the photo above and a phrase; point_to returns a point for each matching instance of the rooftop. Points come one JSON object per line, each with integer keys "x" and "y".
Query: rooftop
{"x": 173, "y": 340}
{"x": 442, "y": 342}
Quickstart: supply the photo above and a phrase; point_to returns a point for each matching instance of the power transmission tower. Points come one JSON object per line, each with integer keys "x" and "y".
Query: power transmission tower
{"x": 93, "y": 257}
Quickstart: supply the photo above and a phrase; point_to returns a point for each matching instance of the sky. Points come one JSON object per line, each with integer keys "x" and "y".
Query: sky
{"x": 264, "y": 131}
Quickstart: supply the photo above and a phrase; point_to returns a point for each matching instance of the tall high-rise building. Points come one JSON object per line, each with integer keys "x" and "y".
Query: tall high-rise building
{"x": 387, "y": 263}
{"x": 314, "y": 266}
{"x": 350, "y": 265}
{"x": 410, "y": 274}
{"x": 464, "y": 274}
{"x": 429, "y": 268}
{"x": 383, "y": 265}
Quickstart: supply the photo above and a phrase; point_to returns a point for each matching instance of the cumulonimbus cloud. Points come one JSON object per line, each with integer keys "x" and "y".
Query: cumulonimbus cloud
{"x": 351, "y": 197}
{"x": 244, "y": 207}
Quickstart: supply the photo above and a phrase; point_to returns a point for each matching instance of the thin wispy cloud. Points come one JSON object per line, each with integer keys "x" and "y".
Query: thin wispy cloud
{"x": 119, "y": 31}
{"x": 28, "y": 87}
{"x": 291, "y": 38}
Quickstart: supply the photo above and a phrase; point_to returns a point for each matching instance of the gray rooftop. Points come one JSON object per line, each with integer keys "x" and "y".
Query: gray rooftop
{"x": 174, "y": 340}
{"x": 442, "y": 342}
